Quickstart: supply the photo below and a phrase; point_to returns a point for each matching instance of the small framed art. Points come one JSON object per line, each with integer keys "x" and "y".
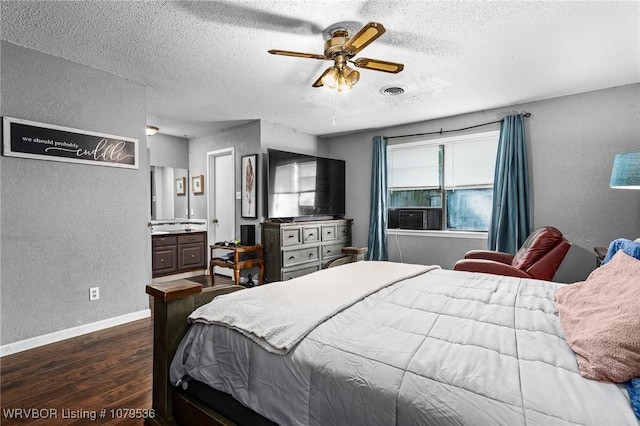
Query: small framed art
{"x": 249, "y": 183}
{"x": 197, "y": 184}
{"x": 181, "y": 186}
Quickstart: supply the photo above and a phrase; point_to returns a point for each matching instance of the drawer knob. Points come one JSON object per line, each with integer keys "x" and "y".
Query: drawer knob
{"x": 291, "y": 257}
{"x": 310, "y": 254}
{"x": 193, "y": 255}
{"x": 162, "y": 260}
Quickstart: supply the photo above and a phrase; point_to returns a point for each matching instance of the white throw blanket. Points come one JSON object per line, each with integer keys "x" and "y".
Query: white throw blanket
{"x": 278, "y": 315}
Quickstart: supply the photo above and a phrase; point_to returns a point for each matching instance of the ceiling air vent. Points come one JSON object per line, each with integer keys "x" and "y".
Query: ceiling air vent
{"x": 392, "y": 90}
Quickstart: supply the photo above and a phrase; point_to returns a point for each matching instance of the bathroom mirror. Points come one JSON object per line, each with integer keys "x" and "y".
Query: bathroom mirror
{"x": 169, "y": 193}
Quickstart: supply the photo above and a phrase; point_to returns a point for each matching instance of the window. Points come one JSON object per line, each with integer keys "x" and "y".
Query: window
{"x": 451, "y": 176}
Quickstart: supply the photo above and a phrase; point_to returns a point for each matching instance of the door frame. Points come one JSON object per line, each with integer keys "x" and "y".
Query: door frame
{"x": 211, "y": 189}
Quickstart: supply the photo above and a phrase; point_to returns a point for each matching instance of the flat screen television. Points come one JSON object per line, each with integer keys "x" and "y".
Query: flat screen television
{"x": 300, "y": 185}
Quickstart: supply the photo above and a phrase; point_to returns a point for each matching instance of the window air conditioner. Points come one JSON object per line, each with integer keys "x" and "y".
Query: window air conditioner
{"x": 416, "y": 218}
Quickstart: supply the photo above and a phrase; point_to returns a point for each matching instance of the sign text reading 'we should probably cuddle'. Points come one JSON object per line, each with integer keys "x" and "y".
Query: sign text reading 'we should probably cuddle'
{"x": 29, "y": 139}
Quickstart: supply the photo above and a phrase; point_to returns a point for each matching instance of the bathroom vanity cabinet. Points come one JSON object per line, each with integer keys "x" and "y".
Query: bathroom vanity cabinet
{"x": 178, "y": 251}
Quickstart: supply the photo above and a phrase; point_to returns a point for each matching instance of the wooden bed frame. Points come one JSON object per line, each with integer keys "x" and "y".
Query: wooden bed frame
{"x": 173, "y": 303}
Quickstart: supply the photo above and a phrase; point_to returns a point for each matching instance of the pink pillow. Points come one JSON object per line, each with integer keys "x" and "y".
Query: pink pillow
{"x": 601, "y": 320}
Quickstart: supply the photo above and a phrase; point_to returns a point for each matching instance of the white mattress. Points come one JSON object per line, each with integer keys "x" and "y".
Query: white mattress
{"x": 445, "y": 347}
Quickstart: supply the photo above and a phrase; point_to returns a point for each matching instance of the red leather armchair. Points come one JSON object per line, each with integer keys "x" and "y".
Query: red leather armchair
{"x": 539, "y": 257}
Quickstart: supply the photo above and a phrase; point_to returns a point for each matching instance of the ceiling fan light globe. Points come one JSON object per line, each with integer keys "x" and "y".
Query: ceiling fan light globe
{"x": 351, "y": 77}
{"x": 331, "y": 78}
{"x": 341, "y": 83}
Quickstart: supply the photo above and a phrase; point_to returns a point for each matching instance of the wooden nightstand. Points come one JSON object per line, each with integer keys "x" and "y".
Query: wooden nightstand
{"x": 601, "y": 252}
{"x": 357, "y": 253}
{"x": 255, "y": 259}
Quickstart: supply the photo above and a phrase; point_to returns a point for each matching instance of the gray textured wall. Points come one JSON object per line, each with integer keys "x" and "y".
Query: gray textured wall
{"x": 68, "y": 227}
{"x": 571, "y": 140}
{"x": 245, "y": 139}
{"x": 168, "y": 151}
{"x": 251, "y": 138}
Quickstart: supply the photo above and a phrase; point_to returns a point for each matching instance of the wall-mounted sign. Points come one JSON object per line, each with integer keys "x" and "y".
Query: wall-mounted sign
{"x": 29, "y": 139}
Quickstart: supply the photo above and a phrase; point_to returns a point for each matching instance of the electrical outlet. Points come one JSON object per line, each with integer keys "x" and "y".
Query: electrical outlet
{"x": 94, "y": 293}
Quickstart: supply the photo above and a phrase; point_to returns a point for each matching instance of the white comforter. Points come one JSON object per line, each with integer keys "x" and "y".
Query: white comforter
{"x": 279, "y": 315}
{"x": 444, "y": 347}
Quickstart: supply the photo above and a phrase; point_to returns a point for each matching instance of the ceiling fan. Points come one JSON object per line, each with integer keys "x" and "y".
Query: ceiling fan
{"x": 340, "y": 48}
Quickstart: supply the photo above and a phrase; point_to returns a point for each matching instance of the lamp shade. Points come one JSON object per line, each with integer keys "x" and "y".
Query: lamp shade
{"x": 626, "y": 171}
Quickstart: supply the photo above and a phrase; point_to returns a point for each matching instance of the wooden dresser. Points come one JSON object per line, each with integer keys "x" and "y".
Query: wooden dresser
{"x": 299, "y": 248}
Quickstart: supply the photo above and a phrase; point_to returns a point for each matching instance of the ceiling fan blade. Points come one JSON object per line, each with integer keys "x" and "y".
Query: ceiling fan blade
{"x": 318, "y": 82}
{"x": 230, "y": 12}
{"x": 364, "y": 37}
{"x": 378, "y": 65}
{"x": 297, "y": 54}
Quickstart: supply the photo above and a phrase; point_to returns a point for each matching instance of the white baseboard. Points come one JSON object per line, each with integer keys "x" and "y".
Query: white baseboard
{"x": 34, "y": 342}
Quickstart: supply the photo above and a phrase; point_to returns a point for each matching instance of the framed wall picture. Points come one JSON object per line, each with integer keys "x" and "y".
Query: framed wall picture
{"x": 249, "y": 175}
{"x": 197, "y": 184}
{"x": 181, "y": 186}
{"x": 41, "y": 141}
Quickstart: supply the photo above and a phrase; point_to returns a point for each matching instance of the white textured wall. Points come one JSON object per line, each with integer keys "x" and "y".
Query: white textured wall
{"x": 572, "y": 141}
{"x": 68, "y": 227}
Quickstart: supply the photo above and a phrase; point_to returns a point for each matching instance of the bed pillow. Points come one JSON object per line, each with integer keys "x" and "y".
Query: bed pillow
{"x": 632, "y": 248}
{"x": 601, "y": 321}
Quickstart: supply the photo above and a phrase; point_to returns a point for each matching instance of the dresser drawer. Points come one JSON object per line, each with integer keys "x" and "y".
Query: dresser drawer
{"x": 164, "y": 260}
{"x": 310, "y": 234}
{"x": 158, "y": 241}
{"x": 332, "y": 250}
{"x": 191, "y": 256}
{"x": 288, "y": 274}
{"x": 329, "y": 232}
{"x": 301, "y": 255}
{"x": 344, "y": 232}
{"x": 191, "y": 238}
{"x": 291, "y": 236}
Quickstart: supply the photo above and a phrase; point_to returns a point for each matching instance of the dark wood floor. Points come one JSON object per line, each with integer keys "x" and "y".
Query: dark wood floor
{"x": 107, "y": 372}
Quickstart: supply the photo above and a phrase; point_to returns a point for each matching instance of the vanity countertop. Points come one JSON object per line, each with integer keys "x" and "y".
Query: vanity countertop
{"x": 177, "y": 232}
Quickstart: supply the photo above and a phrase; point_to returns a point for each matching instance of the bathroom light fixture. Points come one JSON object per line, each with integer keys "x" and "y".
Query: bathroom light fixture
{"x": 152, "y": 130}
{"x": 626, "y": 171}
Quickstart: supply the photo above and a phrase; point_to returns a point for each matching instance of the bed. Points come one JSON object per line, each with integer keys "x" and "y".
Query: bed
{"x": 430, "y": 346}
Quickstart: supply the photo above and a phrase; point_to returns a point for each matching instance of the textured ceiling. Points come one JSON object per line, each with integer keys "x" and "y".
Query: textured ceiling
{"x": 206, "y": 67}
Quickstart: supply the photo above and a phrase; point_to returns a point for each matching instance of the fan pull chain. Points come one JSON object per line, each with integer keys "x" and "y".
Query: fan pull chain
{"x": 333, "y": 101}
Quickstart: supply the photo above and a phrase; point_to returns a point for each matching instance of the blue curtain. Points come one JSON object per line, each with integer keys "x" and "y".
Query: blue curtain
{"x": 510, "y": 224}
{"x": 377, "y": 246}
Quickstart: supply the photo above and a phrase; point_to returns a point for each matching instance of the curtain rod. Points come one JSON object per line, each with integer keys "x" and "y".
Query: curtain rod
{"x": 526, "y": 114}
